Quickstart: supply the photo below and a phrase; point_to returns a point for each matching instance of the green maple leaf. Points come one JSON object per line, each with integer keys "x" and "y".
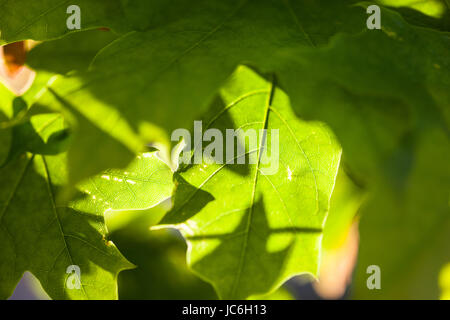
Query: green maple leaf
{"x": 43, "y": 236}
{"x": 248, "y": 230}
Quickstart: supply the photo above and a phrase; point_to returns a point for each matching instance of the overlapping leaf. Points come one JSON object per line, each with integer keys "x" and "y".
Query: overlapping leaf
{"x": 73, "y": 52}
{"x": 161, "y": 259}
{"x": 145, "y": 78}
{"x": 391, "y": 115}
{"x": 44, "y": 236}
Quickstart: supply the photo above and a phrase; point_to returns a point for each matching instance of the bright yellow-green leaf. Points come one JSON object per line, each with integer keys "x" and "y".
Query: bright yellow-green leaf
{"x": 249, "y": 228}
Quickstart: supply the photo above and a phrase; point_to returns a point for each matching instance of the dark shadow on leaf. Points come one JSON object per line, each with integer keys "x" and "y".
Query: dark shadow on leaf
{"x": 217, "y": 118}
{"x": 188, "y": 201}
{"x": 419, "y": 19}
{"x": 27, "y": 137}
{"x": 161, "y": 271}
{"x": 90, "y": 141}
{"x": 254, "y": 274}
{"x": 400, "y": 163}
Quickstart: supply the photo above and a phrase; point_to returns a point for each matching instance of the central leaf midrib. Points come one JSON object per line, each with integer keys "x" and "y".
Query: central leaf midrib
{"x": 297, "y": 22}
{"x": 255, "y": 181}
{"x": 14, "y": 190}
{"x": 63, "y": 236}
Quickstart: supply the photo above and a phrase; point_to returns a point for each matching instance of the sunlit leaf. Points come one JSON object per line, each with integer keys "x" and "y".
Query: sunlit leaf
{"x": 250, "y": 228}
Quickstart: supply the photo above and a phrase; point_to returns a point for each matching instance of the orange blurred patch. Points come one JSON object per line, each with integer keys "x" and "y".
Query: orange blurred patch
{"x": 13, "y": 73}
{"x": 14, "y": 55}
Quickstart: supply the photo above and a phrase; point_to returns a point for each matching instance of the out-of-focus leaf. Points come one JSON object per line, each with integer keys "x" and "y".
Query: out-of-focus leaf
{"x": 433, "y": 14}
{"x": 433, "y": 8}
{"x": 340, "y": 239}
{"x": 46, "y": 19}
{"x": 74, "y": 52}
{"x": 160, "y": 258}
{"x": 391, "y": 114}
{"x": 148, "y": 78}
{"x": 344, "y": 205}
{"x": 444, "y": 282}
{"x": 281, "y": 294}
